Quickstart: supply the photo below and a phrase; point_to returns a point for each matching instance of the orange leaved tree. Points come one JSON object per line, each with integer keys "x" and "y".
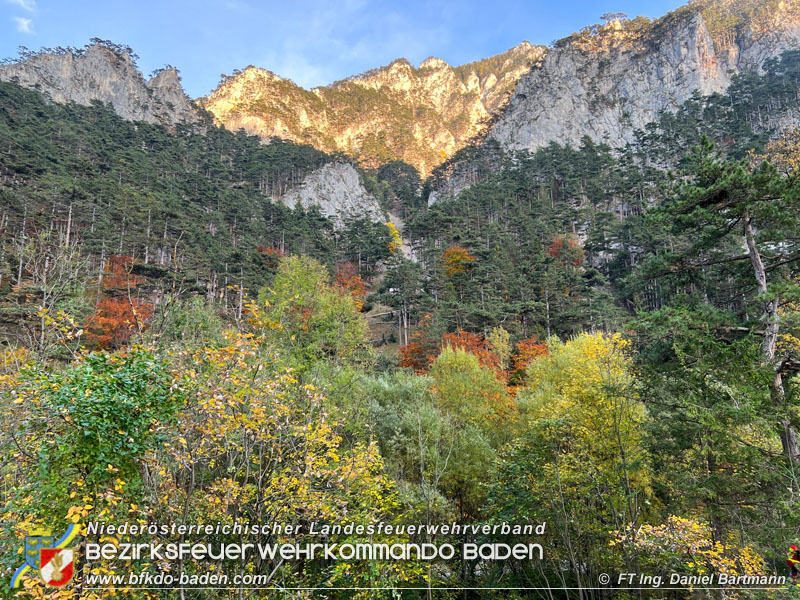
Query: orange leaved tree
{"x": 456, "y": 260}
{"x": 119, "y": 313}
{"x": 527, "y": 350}
{"x": 348, "y": 281}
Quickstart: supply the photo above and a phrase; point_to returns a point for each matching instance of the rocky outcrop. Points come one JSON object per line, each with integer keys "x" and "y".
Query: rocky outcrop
{"x": 420, "y": 115}
{"x": 336, "y": 189}
{"x": 609, "y": 81}
{"x": 101, "y": 73}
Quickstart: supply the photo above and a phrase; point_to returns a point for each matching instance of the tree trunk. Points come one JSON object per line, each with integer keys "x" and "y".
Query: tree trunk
{"x": 785, "y": 429}
{"x": 547, "y": 309}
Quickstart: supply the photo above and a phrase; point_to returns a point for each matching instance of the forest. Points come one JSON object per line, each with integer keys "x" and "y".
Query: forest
{"x": 605, "y": 341}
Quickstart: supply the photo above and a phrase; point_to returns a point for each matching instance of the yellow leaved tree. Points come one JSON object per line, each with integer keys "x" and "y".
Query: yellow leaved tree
{"x": 580, "y": 462}
{"x": 687, "y": 547}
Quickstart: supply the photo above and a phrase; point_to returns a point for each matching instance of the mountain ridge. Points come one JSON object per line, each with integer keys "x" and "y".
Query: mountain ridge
{"x": 604, "y": 81}
{"x": 103, "y": 72}
{"x": 607, "y": 82}
{"x": 417, "y": 114}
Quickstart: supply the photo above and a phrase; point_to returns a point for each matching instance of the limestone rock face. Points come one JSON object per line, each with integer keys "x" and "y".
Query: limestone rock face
{"x": 419, "y": 115}
{"x": 607, "y": 84}
{"x": 99, "y": 73}
{"x": 337, "y": 190}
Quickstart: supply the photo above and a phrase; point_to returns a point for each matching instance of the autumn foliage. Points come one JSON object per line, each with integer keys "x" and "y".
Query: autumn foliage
{"x": 119, "y": 314}
{"x": 396, "y": 241}
{"x": 456, "y": 260}
{"x": 475, "y": 344}
{"x": 270, "y": 255}
{"x": 422, "y": 349}
{"x": 527, "y": 350}
{"x": 566, "y": 249}
{"x": 348, "y": 281}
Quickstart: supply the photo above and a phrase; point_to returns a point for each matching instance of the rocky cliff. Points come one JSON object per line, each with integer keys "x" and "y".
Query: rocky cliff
{"x": 608, "y": 81}
{"x": 336, "y": 189}
{"x": 420, "y": 115}
{"x": 99, "y": 72}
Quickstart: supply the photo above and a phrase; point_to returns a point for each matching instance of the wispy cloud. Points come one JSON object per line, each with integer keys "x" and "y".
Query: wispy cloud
{"x": 29, "y": 5}
{"x": 319, "y": 40}
{"x": 24, "y": 25}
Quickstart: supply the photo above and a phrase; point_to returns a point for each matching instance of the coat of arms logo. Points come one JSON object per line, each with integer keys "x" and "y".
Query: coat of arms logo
{"x": 50, "y": 556}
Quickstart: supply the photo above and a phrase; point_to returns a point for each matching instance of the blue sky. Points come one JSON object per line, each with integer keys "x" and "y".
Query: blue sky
{"x": 313, "y": 42}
